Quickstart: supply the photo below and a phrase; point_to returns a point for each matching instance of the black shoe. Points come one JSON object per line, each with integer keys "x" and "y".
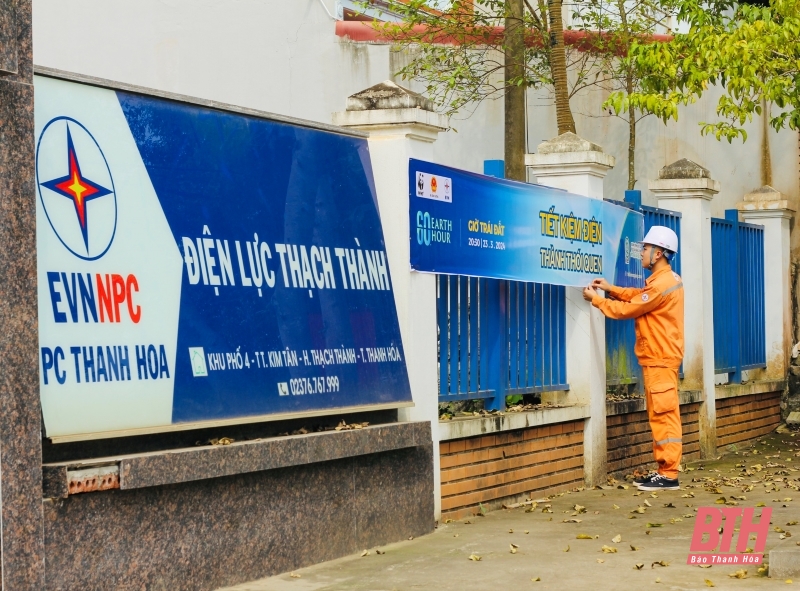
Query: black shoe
{"x": 644, "y": 479}
{"x": 659, "y": 482}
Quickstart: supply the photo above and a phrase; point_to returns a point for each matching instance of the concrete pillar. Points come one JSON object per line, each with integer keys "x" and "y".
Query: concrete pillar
{"x": 770, "y": 208}
{"x": 21, "y": 516}
{"x": 687, "y": 187}
{"x": 402, "y": 125}
{"x": 579, "y": 166}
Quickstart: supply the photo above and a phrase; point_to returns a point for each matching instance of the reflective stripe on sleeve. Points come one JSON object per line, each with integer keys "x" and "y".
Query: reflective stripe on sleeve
{"x": 669, "y": 440}
{"x": 673, "y": 288}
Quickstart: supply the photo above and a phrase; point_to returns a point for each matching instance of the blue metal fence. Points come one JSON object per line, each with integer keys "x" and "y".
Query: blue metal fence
{"x": 621, "y": 364}
{"x": 498, "y": 338}
{"x": 737, "y": 263}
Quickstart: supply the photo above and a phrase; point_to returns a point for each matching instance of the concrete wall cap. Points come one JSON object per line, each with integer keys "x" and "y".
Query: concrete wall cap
{"x": 684, "y": 169}
{"x": 388, "y": 118}
{"x": 765, "y": 193}
{"x": 387, "y": 95}
{"x": 767, "y": 208}
{"x": 567, "y": 142}
{"x": 682, "y": 187}
{"x": 572, "y": 159}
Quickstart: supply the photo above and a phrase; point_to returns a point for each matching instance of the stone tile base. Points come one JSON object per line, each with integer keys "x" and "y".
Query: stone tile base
{"x": 784, "y": 560}
{"x": 211, "y": 533}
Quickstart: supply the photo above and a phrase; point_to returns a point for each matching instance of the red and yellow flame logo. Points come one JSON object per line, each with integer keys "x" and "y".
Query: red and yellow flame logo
{"x": 433, "y": 184}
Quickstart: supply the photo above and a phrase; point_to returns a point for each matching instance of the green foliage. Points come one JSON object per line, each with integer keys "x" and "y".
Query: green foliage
{"x": 458, "y": 53}
{"x": 752, "y": 52}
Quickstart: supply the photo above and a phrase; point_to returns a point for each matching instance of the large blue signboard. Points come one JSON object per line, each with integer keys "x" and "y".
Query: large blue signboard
{"x": 198, "y": 266}
{"x": 469, "y": 224}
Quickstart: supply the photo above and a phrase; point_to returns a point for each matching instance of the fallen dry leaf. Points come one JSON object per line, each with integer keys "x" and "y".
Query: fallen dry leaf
{"x": 617, "y": 539}
{"x": 659, "y": 563}
{"x": 646, "y": 502}
{"x": 639, "y": 566}
{"x": 638, "y": 510}
{"x": 705, "y": 565}
{"x": 655, "y": 524}
{"x": 514, "y": 548}
{"x": 474, "y": 557}
{"x": 615, "y": 506}
{"x": 709, "y": 583}
{"x": 535, "y": 579}
{"x": 511, "y": 531}
{"x": 584, "y": 537}
{"x": 567, "y": 548}
{"x": 634, "y": 548}
{"x": 380, "y": 552}
{"x": 739, "y": 574}
{"x": 365, "y": 553}
{"x": 600, "y": 560}
{"x": 670, "y": 506}
{"x": 792, "y": 523}
{"x": 608, "y": 549}
{"x": 294, "y": 575}
{"x": 573, "y": 520}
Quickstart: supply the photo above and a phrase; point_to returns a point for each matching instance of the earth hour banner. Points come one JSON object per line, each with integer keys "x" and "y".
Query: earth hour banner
{"x": 201, "y": 266}
{"x": 469, "y": 224}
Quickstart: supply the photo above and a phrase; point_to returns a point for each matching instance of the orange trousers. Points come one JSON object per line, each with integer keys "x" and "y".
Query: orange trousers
{"x": 664, "y": 414}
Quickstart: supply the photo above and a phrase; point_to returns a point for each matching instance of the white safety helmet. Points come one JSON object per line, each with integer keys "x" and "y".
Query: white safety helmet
{"x": 663, "y": 237}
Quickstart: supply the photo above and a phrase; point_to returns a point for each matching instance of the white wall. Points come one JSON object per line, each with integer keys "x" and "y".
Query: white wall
{"x": 277, "y": 56}
{"x": 737, "y": 166}
{"x": 283, "y": 57}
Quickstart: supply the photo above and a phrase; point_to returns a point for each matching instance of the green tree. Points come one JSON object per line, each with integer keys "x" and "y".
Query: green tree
{"x": 613, "y": 26}
{"x": 470, "y": 52}
{"x": 464, "y": 55}
{"x": 751, "y": 51}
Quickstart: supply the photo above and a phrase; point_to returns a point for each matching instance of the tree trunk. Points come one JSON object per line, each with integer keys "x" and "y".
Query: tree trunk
{"x": 514, "y": 48}
{"x": 766, "y": 156}
{"x": 631, "y": 138}
{"x": 629, "y": 80}
{"x": 558, "y": 66}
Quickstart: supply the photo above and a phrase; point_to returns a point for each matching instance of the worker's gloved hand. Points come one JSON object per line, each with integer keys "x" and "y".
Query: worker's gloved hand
{"x": 589, "y": 293}
{"x": 601, "y": 284}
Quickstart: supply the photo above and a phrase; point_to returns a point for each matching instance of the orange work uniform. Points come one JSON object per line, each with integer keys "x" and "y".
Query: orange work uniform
{"x": 658, "y": 310}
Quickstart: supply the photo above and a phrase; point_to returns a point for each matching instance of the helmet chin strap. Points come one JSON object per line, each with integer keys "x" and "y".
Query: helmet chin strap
{"x": 652, "y": 259}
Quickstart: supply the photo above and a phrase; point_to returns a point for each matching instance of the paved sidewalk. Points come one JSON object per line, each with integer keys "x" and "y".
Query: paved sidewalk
{"x": 548, "y": 548}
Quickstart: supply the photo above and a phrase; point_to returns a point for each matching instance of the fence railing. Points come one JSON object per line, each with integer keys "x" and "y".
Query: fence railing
{"x": 499, "y": 338}
{"x": 621, "y": 364}
{"x": 737, "y": 263}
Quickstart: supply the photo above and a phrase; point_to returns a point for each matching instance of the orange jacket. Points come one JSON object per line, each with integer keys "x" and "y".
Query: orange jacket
{"x": 658, "y": 310}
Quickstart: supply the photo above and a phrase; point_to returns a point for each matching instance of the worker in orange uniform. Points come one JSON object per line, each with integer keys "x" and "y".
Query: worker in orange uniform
{"x": 658, "y": 310}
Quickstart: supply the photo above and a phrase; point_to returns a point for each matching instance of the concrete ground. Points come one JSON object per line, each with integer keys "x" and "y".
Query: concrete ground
{"x": 549, "y": 554}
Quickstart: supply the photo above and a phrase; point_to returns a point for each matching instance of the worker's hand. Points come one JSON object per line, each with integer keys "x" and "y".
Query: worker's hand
{"x": 589, "y": 293}
{"x": 601, "y": 284}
